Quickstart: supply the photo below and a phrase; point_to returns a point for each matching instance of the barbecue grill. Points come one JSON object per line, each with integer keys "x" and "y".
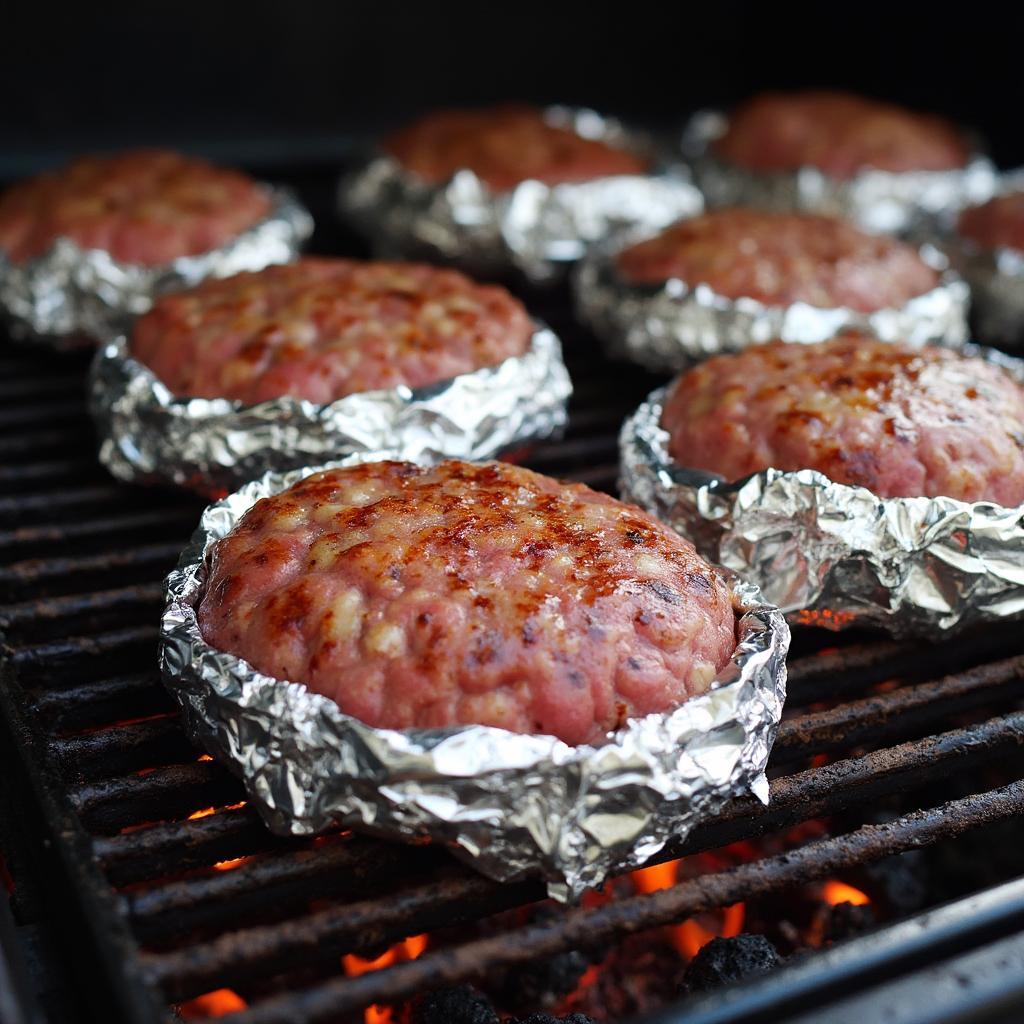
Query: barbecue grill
{"x": 139, "y": 880}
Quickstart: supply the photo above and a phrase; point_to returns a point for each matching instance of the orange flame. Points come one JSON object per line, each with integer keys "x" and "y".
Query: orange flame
{"x": 407, "y": 949}
{"x": 834, "y": 892}
{"x": 212, "y": 1004}
{"x": 690, "y": 936}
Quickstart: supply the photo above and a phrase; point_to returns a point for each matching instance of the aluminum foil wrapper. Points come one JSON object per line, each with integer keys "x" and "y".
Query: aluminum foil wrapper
{"x": 535, "y": 229}
{"x": 888, "y": 201}
{"x": 996, "y": 277}
{"x": 510, "y": 805}
{"x": 213, "y": 445}
{"x": 671, "y": 326}
{"x": 834, "y": 555}
{"x": 69, "y": 296}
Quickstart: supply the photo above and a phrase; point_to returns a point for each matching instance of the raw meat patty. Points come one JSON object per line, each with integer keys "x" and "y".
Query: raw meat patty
{"x": 838, "y": 133}
{"x": 147, "y": 207}
{"x": 782, "y": 258}
{"x": 466, "y": 594}
{"x": 321, "y": 329}
{"x": 504, "y": 146}
{"x": 899, "y": 421}
{"x": 997, "y": 224}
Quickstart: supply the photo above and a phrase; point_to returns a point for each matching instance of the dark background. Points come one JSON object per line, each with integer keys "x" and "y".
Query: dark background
{"x": 264, "y": 83}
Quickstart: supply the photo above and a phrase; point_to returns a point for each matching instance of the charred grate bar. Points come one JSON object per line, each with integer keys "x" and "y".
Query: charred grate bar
{"x": 182, "y": 891}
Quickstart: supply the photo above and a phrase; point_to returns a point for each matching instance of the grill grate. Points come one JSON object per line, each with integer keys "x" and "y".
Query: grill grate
{"x": 110, "y": 777}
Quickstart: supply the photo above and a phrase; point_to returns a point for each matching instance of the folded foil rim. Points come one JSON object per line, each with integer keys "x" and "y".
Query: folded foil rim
{"x": 70, "y": 297}
{"x": 213, "y": 445}
{"x": 535, "y": 230}
{"x": 886, "y": 201}
{"x": 996, "y": 279}
{"x": 831, "y": 554}
{"x": 510, "y": 805}
{"x": 669, "y": 327}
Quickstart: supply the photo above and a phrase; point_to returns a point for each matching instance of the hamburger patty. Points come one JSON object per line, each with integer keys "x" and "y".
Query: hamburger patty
{"x": 838, "y": 133}
{"x": 997, "y": 224}
{"x": 147, "y": 207}
{"x": 782, "y": 258}
{"x": 900, "y": 421}
{"x": 321, "y": 329}
{"x": 466, "y": 593}
{"x": 504, "y": 146}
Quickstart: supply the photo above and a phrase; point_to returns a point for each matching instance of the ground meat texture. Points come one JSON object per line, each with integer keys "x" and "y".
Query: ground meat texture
{"x": 782, "y": 258}
{"x": 504, "y": 146}
{"x": 321, "y": 329}
{"x": 146, "y": 207}
{"x": 839, "y": 134}
{"x": 899, "y": 421}
{"x": 466, "y": 594}
{"x": 997, "y": 224}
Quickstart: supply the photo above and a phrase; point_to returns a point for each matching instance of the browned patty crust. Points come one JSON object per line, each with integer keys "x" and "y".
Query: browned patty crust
{"x": 465, "y": 593}
{"x": 782, "y": 258}
{"x": 840, "y": 134}
{"x": 147, "y": 207}
{"x": 504, "y": 146}
{"x": 900, "y": 421}
{"x": 321, "y": 329}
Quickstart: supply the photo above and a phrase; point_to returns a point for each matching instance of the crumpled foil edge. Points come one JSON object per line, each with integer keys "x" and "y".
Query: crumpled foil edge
{"x": 996, "y": 279}
{"x": 831, "y": 554}
{"x": 671, "y": 326}
{"x": 147, "y": 435}
{"x": 510, "y": 805}
{"x": 885, "y": 201}
{"x": 535, "y": 229}
{"x": 69, "y": 296}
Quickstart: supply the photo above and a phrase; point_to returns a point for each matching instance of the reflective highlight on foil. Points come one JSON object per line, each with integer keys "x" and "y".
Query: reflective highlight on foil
{"x": 213, "y": 445}
{"x": 536, "y": 229}
{"x": 834, "y": 555}
{"x": 886, "y": 201}
{"x": 70, "y": 296}
{"x": 672, "y": 326}
{"x": 510, "y": 805}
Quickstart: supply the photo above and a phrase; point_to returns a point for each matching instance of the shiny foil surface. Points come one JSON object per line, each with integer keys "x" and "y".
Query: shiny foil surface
{"x": 996, "y": 277}
{"x": 213, "y": 445}
{"x": 510, "y": 805}
{"x": 671, "y": 326}
{"x": 69, "y": 296}
{"x": 536, "y": 230}
{"x": 884, "y": 201}
{"x": 831, "y": 554}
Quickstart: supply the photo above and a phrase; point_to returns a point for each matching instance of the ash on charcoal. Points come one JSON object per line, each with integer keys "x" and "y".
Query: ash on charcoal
{"x": 539, "y": 983}
{"x": 726, "y": 961}
{"x": 845, "y": 920}
{"x": 462, "y": 1005}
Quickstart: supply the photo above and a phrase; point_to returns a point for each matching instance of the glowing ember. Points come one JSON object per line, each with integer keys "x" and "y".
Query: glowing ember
{"x": 694, "y": 933}
{"x": 230, "y": 865}
{"x": 204, "y": 813}
{"x": 834, "y": 893}
{"x": 212, "y": 1004}
{"x": 407, "y": 949}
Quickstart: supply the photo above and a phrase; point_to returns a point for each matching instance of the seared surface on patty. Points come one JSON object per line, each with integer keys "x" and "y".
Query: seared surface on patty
{"x": 782, "y": 258}
{"x": 143, "y": 206}
{"x": 997, "y": 224}
{"x": 468, "y": 593}
{"x": 321, "y": 329}
{"x": 900, "y": 421}
{"x": 504, "y": 146}
{"x": 840, "y": 134}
